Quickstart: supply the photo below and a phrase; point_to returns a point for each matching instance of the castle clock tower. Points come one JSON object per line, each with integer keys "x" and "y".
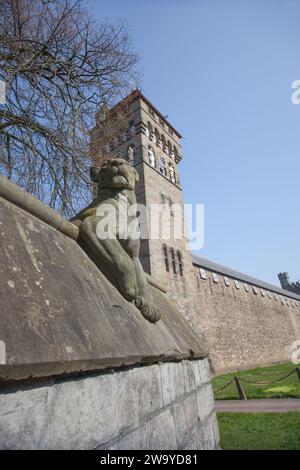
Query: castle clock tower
{"x": 153, "y": 147}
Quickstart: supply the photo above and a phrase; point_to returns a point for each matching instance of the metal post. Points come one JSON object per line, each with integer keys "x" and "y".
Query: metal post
{"x": 242, "y": 395}
{"x": 298, "y": 372}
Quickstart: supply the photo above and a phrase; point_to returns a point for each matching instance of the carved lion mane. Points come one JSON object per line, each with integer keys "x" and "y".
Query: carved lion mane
{"x": 118, "y": 256}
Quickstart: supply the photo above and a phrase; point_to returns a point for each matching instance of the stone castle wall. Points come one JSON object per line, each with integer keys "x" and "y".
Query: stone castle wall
{"x": 80, "y": 367}
{"x": 245, "y": 328}
{"x": 161, "y": 406}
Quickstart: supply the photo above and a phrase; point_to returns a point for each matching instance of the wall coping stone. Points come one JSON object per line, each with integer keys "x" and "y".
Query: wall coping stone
{"x": 59, "y": 313}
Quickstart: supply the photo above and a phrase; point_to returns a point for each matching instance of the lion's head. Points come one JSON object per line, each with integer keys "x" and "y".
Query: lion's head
{"x": 115, "y": 173}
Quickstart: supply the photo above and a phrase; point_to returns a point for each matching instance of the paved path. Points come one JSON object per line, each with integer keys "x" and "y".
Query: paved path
{"x": 274, "y": 405}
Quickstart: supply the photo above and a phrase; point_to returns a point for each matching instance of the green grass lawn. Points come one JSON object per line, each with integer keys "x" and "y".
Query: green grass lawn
{"x": 259, "y": 431}
{"x": 288, "y": 388}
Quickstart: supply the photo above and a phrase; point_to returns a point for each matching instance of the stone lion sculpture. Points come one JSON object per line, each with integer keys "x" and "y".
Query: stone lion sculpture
{"x": 119, "y": 254}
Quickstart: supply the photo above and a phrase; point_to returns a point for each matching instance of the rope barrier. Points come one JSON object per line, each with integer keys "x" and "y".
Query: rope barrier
{"x": 269, "y": 382}
{"x": 225, "y": 386}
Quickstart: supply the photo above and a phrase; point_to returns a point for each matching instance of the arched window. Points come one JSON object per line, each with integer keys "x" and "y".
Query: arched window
{"x": 149, "y": 129}
{"x": 151, "y": 156}
{"x": 173, "y": 260}
{"x": 166, "y": 257}
{"x": 153, "y": 136}
{"x": 158, "y": 140}
{"x": 180, "y": 263}
{"x": 162, "y": 165}
{"x": 175, "y": 151}
{"x": 131, "y": 154}
{"x": 172, "y": 173}
{"x": 132, "y": 129}
{"x": 157, "y": 136}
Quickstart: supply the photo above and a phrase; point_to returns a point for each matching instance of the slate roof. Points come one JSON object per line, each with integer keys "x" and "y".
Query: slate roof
{"x": 229, "y": 272}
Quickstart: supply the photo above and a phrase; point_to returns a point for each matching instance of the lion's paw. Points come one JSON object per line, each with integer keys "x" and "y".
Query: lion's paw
{"x": 147, "y": 310}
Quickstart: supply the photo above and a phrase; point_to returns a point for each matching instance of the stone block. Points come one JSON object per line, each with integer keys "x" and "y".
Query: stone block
{"x": 205, "y": 400}
{"x": 161, "y": 432}
{"x": 81, "y": 413}
{"x": 137, "y": 440}
{"x": 189, "y": 376}
{"x": 139, "y": 393}
{"x": 208, "y": 441}
{"x": 23, "y": 418}
{"x": 185, "y": 417}
{"x": 172, "y": 378}
{"x": 194, "y": 438}
{"x": 204, "y": 370}
{"x": 215, "y": 426}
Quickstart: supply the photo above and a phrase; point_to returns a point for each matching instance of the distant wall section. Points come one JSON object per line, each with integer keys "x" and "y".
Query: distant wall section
{"x": 245, "y": 324}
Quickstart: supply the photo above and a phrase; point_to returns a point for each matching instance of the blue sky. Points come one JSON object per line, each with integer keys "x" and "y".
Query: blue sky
{"x": 222, "y": 71}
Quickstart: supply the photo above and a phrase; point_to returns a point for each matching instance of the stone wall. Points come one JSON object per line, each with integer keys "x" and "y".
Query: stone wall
{"x": 80, "y": 367}
{"x": 245, "y": 324}
{"x": 161, "y": 406}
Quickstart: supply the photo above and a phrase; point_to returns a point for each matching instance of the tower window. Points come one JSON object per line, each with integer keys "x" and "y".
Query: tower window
{"x": 172, "y": 173}
{"x": 173, "y": 261}
{"x": 131, "y": 154}
{"x": 162, "y": 166}
{"x": 132, "y": 129}
{"x": 151, "y": 156}
{"x": 166, "y": 258}
{"x": 180, "y": 263}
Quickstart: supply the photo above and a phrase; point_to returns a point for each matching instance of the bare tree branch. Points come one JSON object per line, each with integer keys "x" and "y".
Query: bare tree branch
{"x": 60, "y": 67}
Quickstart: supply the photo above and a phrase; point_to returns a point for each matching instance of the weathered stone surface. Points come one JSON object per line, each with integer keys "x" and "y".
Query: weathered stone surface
{"x": 172, "y": 381}
{"x": 139, "y": 393}
{"x": 137, "y": 440}
{"x": 89, "y": 406}
{"x": 186, "y": 418}
{"x": 118, "y": 410}
{"x": 189, "y": 375}
{"x": 204, "y": 371}
{"x": 23, "y": 417}
{"x": 205, "y": 401}
{"x": 64, "y": 315}
{"x": 208, "y": 434}
{"x": 161, "y": 432}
